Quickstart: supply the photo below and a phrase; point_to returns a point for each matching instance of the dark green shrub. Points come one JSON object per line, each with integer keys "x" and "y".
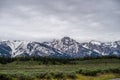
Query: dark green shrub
{"x": 59, "y": 75}
{"x": 72, "y": 76}
{"x": 48, "y": 76}
{"x": 116, "y": 70}
{"x": 41, "y": 75}
{"x": 5, "y": 77}
{"x": 89, "y": 72}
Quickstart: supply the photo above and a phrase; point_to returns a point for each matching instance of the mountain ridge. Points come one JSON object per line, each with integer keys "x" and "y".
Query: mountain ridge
{"x": 65, "y": 47}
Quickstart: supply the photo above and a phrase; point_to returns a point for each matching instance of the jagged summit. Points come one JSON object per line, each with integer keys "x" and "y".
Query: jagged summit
{"x": 66, "y": 38}
{"x": 65, "y": 47}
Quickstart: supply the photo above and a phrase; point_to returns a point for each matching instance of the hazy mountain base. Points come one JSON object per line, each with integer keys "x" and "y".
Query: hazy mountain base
{"x": 93, "y": 69}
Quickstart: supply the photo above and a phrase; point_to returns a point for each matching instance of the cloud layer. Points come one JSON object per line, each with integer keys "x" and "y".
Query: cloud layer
{"x": 47, "y": 19}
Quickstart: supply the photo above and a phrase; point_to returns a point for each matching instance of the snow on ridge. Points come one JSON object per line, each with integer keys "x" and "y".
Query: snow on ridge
{"x": 95, "y": 42}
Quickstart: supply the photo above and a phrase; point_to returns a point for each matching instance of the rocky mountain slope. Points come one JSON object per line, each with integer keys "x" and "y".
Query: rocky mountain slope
{"x": 66, "y": 47}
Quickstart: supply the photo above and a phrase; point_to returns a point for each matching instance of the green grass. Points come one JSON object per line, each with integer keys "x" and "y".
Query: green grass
{"x": 95, "y": 69}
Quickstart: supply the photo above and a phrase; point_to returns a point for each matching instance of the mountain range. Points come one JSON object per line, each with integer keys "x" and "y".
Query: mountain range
{"x": 65, "y": 48}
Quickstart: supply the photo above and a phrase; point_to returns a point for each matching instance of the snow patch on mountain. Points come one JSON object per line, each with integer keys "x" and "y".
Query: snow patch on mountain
{"x": 95, "y": 42}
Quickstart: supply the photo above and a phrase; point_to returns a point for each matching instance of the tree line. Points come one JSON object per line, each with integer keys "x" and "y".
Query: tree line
{"x": 50, "y": 60}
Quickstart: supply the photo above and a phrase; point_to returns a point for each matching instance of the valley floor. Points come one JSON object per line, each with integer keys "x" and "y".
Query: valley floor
{"x": 96, "y": 69}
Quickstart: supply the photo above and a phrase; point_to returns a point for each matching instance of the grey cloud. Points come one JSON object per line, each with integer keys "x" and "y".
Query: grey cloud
{"x": 42, "y": 19}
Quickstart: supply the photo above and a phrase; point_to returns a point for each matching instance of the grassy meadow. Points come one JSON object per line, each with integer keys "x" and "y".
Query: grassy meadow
{"x": 75, "y": 69}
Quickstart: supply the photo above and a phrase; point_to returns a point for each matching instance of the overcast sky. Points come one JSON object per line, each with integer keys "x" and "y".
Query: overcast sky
{"x": 41, "y": 20}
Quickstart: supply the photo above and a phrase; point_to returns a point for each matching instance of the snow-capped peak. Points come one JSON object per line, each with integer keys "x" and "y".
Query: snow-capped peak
{"x": 95, "y": 42}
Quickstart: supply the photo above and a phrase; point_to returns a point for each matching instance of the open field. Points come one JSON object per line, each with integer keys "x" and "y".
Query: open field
{"x": 95, "y": 69}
